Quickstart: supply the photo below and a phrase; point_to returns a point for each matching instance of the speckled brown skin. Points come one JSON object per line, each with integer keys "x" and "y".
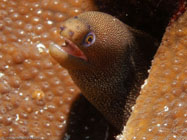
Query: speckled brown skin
{"x": 116, "y": 64}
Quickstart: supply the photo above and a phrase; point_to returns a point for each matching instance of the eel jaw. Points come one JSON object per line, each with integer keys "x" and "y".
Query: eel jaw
{"x": 68, "y": 54}
{"x": 72, "y": 49}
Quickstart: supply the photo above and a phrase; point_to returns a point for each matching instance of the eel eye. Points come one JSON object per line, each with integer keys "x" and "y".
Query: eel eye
{"x": 89, "y": 39}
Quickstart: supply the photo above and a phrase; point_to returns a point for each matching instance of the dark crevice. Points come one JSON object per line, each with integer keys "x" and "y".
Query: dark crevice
{"x": 151, "y": 16}
{"x": 86, "y": 123}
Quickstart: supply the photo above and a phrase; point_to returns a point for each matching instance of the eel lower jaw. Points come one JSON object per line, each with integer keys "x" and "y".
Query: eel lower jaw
{"x": 68, "y": 54}
{"x": 72, "y": 49}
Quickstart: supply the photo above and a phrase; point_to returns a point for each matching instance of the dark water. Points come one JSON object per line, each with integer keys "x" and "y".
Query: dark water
{"x": 151, "y": 16}
{"x": 86, "y": 123}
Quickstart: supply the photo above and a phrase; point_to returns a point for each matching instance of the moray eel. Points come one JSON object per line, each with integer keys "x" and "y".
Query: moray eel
{"x": 107, "y": 59}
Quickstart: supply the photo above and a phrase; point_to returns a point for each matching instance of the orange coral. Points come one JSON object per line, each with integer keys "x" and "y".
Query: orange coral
{"x": 160, "y": 112}
{"x": 32, "y": 85}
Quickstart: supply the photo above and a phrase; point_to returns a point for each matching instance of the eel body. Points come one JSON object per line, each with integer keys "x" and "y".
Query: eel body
{"x": 107, "y": 59}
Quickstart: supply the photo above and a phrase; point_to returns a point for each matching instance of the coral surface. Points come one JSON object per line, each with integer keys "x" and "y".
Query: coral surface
{"x": 35, "y": 92}
{"x": 161, "y": 110}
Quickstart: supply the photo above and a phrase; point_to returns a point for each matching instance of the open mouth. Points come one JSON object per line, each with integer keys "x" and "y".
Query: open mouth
{"x": 72, "y": 49}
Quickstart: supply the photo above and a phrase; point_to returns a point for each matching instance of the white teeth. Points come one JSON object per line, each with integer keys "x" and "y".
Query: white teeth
{"x": 64, "y": 43}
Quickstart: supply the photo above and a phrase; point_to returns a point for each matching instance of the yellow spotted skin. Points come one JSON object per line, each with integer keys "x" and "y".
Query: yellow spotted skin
{"x": 117, "y": 63}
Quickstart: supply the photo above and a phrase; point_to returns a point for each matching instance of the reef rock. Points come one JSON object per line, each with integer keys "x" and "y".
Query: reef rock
{"x": 160, "y": 112}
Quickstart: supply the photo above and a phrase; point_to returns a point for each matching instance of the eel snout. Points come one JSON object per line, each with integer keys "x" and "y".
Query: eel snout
{"x": 68, "y": 51}
{"x": 74, "y": 30}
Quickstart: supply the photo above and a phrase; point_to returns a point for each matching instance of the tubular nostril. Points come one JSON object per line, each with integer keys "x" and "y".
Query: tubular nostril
{"x": 62, "y": 28}
{"x": 71, "y": 33}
